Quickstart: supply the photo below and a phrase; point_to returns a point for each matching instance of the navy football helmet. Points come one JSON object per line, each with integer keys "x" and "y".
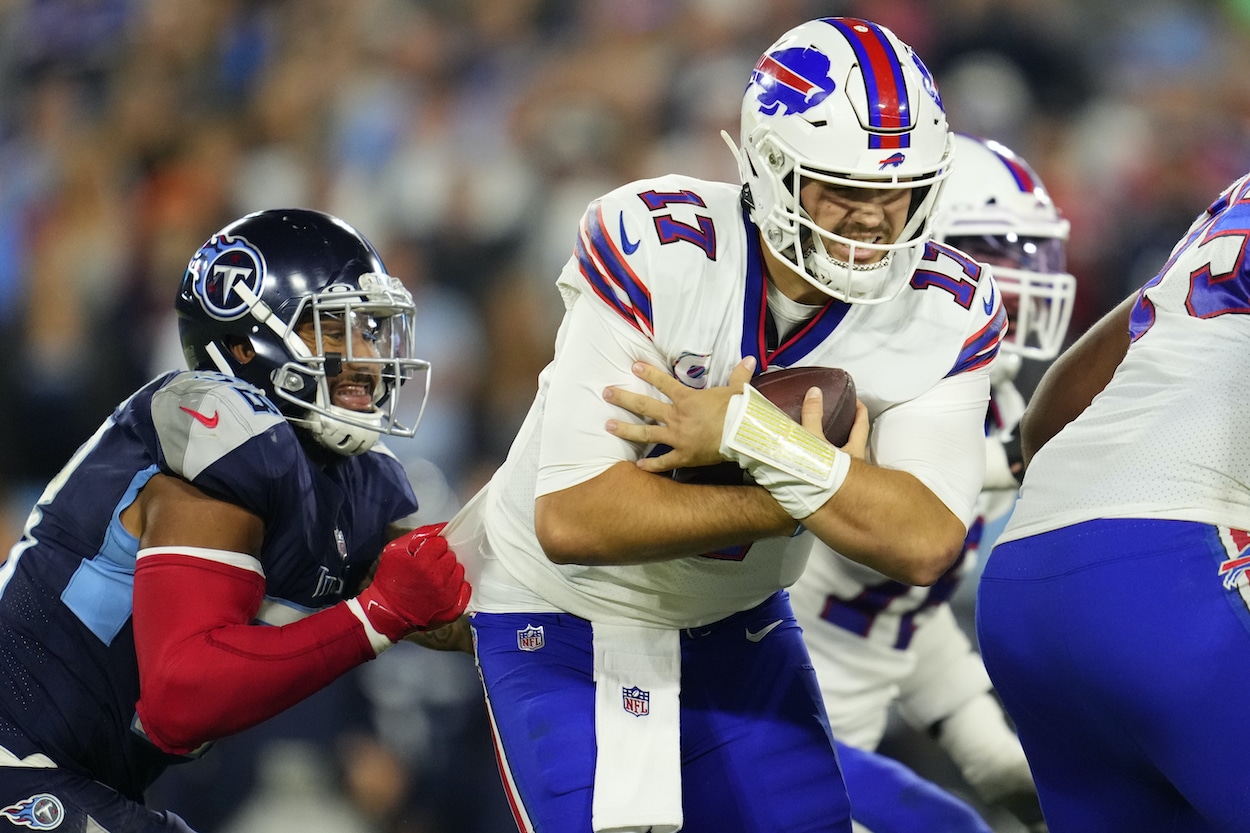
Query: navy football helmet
{"x": 324, "y": 318}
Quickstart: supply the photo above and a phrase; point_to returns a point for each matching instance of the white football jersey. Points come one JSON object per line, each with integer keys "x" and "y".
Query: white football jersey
{"x": 670, "y": 271}
{"x": 863, "y": 629}
{"x": 1169, "y": 437}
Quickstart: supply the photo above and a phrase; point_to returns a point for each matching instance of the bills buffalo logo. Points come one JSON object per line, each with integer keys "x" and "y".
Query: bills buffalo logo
{"x": 636, "y": 701}
{"x": 796, "y": 79}
{"x": 530, "y": 638}
{"x": 1237, "y": 544}
{"x": 691, "y": 369}
{"x": 39, "y": 812}
{"x": 892, "y": 161}
{"x": 226, "y": 274}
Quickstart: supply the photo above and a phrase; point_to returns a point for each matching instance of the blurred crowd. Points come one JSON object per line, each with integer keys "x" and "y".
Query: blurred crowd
{"x": 464, "y": 138}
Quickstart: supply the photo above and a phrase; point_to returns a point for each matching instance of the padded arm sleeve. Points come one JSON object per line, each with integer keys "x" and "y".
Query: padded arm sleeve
{"x": 204, "y": 671}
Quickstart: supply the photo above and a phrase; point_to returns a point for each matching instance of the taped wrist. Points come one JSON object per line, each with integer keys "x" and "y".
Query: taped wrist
{"x": 800, "y": 470}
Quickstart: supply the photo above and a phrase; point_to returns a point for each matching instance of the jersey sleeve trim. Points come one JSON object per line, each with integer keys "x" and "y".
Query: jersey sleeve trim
{"x": 232, "y": 559}
{"x": 981, "y": 348}
{"x": 604, "y": 267}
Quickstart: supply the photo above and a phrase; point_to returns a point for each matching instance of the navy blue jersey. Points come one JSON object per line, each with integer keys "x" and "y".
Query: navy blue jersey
{"x": 67, "y": 651}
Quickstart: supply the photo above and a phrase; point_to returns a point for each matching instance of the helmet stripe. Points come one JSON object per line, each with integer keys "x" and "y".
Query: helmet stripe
{"x": 889, "y": 107}
{"x": 1025, "y": 179}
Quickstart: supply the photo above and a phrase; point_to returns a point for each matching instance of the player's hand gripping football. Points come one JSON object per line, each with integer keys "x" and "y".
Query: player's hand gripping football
{"x": 691, "y": 421}
{"x": 419, "y": 585}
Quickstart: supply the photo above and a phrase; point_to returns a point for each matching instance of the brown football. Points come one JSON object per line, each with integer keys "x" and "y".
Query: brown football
{"x": 786, "y": 388}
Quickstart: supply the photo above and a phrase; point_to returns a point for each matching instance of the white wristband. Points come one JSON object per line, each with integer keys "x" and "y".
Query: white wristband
{"x": 377, "y": 639}
{"x": 802, "y": 471}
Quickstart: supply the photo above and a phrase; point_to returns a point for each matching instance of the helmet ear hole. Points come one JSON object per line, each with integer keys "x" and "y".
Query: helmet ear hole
{"x": 241, "y": 348}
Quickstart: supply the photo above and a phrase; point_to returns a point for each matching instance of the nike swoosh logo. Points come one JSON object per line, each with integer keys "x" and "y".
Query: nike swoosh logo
{"x": 989, "y": 302}
{"x": 629, "y": 247}
{"x": 762, "y": 632}
{"x": 207, "y": 422}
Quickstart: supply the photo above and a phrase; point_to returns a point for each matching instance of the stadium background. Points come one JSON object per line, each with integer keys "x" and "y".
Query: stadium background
{"x": 464, "y": 137}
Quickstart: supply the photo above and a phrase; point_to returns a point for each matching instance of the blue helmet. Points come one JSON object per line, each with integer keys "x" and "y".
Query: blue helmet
{"x": 332, "y": 332}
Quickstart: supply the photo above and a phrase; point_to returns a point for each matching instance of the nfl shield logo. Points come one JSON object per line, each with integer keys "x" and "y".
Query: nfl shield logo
{"x": 530, "y": 638}
{"x": 637, "y": 702}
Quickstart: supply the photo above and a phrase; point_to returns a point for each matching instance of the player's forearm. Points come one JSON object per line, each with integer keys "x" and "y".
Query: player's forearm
{"x": 629, "y": 516}
{"x": 890, "y": 521}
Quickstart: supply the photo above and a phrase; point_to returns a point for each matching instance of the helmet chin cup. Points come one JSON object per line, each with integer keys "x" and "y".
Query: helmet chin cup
{"x": 344, "y": 431}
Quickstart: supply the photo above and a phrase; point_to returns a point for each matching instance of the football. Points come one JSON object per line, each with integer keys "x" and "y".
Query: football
{"x": 786, "y": 388}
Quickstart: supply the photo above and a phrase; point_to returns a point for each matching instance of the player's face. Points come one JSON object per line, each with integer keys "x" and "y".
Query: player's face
{"x": 870, "y": 215}
{"x": 351, "y": 336}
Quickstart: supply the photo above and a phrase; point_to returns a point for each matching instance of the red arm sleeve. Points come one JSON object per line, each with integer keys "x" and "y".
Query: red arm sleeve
{"x": 204, "y": 671}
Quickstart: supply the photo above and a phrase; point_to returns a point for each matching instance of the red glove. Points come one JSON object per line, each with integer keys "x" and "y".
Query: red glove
{"x": 419, "y": 585}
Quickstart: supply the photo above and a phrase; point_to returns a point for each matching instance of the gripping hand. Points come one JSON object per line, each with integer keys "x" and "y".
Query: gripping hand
{"x": 419, "y": 585}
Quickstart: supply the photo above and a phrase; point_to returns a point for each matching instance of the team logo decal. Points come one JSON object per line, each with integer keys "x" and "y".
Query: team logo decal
{"x": 219, "y": 269}
{"x": 39, "y": 812}
{"x": 636, "y": 701}
{"x": 691, "y": 369}
{"x": 796, "y": 79}
{"x": 530, "y": 638}
{"x": 1237, "y": 546}
{"x": 892, "y": 161}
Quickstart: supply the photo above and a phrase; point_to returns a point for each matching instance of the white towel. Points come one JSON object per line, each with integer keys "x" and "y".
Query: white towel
{"x": 637, "y": 729}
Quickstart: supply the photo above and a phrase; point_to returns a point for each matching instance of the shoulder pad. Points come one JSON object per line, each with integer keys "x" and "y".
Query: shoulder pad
{"x": 200, "y": 417}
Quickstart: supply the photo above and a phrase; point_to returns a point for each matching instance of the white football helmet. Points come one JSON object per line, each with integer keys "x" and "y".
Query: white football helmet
{"x": 995, "y": 209}
{"x": 842, "y": 101}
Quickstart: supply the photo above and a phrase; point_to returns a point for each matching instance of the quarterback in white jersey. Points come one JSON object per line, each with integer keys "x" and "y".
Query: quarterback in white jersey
{"x": 1114, "y": 608}
{"x": 876, "y": 642}
{"x": 622, "y": 617}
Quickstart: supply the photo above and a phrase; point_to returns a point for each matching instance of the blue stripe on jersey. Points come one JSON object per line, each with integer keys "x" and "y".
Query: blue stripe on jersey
{"x": 101, "y": 591}
{"x": 613, "y": 262}
{"x": 600, "y": 286}
{"x": 755, "y": 300}
{"x": 755, "y": 307}
{"x": 980, "y": 349}
{"x": 812, "y": 335}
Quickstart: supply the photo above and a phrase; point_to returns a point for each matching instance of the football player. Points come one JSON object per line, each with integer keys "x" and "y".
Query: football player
{"x": 642, "y": 666}
{"x": 876, "y": 642}
{"x": 193, "y": 570}
{"x": 1112, "y": 614}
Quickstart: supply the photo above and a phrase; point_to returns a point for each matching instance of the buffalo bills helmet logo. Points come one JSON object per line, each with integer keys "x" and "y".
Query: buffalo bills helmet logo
{"x": 892, "y": 161}
{"x": 796, "y": 79}
{"x": 220, "y": 269}
{"x": 39, "y": 812}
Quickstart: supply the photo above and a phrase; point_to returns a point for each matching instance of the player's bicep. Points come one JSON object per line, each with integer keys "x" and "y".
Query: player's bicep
{"x": 170, "y": 512}
{"x": 939, "y": 437}
{"x": 595, "y": 352}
